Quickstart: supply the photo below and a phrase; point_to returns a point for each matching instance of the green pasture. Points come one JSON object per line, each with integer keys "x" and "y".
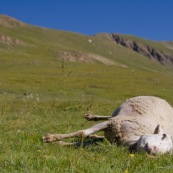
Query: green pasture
{"x": 40, "y": 93}
{"x": 37, "y": 101}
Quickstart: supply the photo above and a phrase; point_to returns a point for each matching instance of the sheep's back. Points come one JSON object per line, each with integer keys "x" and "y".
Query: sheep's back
{"x": 138, "y": 116}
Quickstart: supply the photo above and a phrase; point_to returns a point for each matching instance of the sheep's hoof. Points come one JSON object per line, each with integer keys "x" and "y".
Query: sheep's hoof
{"x": 48, "y": 138}
{"x": 89, "y": 116}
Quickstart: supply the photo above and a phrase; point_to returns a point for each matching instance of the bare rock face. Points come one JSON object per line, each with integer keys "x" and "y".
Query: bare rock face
{"x": 147, "y": 51}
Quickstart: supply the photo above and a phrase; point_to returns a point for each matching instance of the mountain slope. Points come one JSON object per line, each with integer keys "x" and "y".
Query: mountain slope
{"x": 40, "y": 60}
{"x": 15, "y": 34}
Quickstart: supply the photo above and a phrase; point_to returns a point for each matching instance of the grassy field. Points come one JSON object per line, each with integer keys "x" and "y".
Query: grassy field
{"x": 40, "y": 93}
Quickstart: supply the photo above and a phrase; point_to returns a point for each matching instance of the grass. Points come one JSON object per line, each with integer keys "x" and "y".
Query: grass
{"x": 58, "y": 104}
{"x": 40, "y": 93}
{"x": 22, "y": 150}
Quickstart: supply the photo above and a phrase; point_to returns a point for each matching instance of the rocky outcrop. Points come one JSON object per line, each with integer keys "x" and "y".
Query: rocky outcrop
{"x": 10, "y": 41}
{"x": 147, "y": 51}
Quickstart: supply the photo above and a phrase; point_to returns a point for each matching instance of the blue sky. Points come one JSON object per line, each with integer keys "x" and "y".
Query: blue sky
{"x": 150, "y": 19}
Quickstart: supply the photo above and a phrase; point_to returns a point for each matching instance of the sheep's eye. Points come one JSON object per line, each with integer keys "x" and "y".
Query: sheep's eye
{"x": 163, "y": 136}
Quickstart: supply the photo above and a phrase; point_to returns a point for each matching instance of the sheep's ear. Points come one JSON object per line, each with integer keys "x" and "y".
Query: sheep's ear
{"x": 158, "y": 130}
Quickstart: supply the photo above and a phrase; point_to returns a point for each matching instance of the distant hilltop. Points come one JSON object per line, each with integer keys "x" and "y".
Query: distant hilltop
{"x": 106, "y": 48}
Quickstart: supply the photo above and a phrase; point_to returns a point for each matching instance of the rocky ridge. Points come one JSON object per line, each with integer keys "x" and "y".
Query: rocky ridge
{"x": 163, "y": 58}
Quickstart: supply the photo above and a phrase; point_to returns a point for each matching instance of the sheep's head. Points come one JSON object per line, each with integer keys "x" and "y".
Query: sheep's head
{"x": 157, "y": 143}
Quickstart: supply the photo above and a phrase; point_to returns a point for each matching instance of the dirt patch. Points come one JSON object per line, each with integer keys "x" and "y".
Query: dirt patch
{"x": 88, "y": 58}
{"x": 104, "y": 60}
{"x": 75, "y": 56}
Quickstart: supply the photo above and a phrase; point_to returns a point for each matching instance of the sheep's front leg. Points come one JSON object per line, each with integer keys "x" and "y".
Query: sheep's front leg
{"x": 79, "y": 134}
{"x": 91, "y": 117}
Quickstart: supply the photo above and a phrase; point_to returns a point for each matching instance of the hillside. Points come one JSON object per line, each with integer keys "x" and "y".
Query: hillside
{"x": 38, "y": 56}
{"x": 49, "y": 79}
{"x": 76, "y": 47}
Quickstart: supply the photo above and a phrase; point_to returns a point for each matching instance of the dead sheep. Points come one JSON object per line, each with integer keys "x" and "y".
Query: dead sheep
{"x": 143, "y": 123}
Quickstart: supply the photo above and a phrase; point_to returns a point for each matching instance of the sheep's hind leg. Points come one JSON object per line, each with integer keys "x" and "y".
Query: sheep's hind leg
{"x": 92, "y": 140}
{"x": 80, "y": 134}
{"x": 91, "y": 117}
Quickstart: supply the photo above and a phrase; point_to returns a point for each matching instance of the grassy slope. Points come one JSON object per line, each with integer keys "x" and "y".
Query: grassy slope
{"x": 59, "y": 93}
